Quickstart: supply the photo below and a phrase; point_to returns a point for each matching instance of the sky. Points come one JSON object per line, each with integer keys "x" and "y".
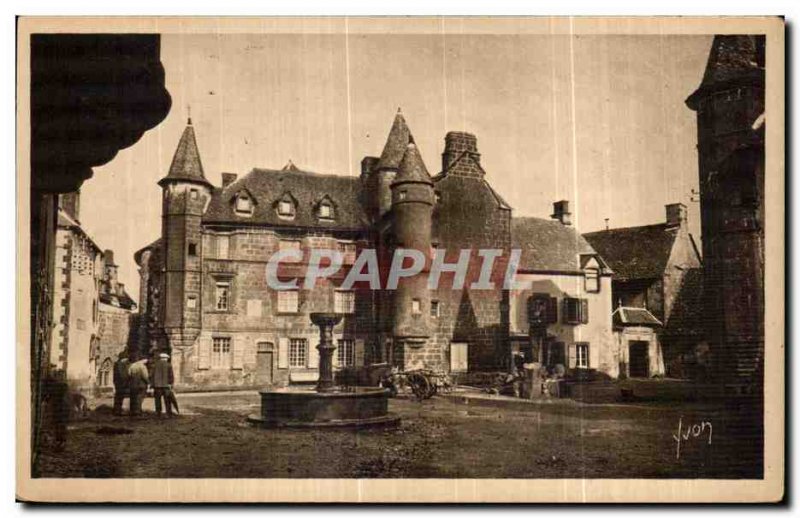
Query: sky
{"x": 596, "y": 120}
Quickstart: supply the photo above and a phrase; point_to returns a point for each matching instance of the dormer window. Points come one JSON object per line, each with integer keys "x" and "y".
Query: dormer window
{"x": 286, "y": 207}
{"x": 592, "y": 278}
{"x": 243, "y": 204}
{"x": 325, "y": 208}
{"x": 325, "y": 211}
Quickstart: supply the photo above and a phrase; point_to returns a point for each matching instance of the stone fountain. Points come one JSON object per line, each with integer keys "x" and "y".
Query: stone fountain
{"x": 326, "y": 406}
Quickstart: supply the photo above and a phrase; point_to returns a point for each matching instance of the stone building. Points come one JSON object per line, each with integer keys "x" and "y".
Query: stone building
{"x": 204, "y": 293}
{"x": 117, "y": 323}
{"x": 730, "y": 143}
{"x": 78, "y": 270}
{"x": 655, "y": 290}
{"x": 92, "y": 312}
{"x": 564, "y": 317}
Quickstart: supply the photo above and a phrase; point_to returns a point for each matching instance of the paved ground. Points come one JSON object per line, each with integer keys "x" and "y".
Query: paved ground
{"x": 437, "y": 438}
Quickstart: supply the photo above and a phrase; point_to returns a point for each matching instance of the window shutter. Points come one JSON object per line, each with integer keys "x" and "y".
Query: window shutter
{"x": 313, "y": 353}
{"x": 552, "y": 310}
{"x": 336, "y": 341}
{"x": 204, "y": 353}
{"x": 359, "y": 353}
{"x": 238, "y": 353}
{"x": 572, "y": 360}
{"x": 565, "y": 311}
{"x": 283, "y": 352}
{"x": 584, "y": 311}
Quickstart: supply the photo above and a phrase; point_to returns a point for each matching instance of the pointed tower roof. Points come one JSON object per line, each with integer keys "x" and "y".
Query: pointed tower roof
{"x": 412, "y": 168}
{"x": 734, "y": 60}
{"x": 186, "y": 165}
{"x": 399, "y": 137}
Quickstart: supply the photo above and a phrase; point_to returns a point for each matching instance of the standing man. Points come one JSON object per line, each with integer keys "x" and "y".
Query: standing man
{"x": 122, "y": 388}
{"x": 162, "y": 383}
{"x": 139, "y": 379}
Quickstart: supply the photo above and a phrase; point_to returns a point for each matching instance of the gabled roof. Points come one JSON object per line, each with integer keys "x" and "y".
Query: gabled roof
{"x": 733, "y": 60}
{"x": 267, "y": 186}
{"x": 548, "y": 245}
{"x": 186, "y": 165}
{"x": 635, "y": 252}
{"x": 396, "y": 142}
{"x": 687, "y": 317}
{"x": 628, "y": 316}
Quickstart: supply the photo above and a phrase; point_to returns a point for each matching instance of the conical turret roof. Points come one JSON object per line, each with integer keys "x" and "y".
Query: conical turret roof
{"x": 734, "y": 60}
{"x": 399, "y": 137}
{"x": 412, "y": 168}
{"x": 186, "y": 165}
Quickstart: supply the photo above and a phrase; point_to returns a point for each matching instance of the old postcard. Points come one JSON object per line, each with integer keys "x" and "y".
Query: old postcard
{"x": 400, "y": 259}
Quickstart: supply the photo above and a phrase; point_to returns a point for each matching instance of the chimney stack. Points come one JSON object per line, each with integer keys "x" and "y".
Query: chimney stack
{"x": 227, "y": 179}
{"x": 676, "y": 214}
{"x": 368, "y": 163}
{"x": 561, "y": 212}
{"x": 108, "y": 255}
{"x": 457, "y": 143}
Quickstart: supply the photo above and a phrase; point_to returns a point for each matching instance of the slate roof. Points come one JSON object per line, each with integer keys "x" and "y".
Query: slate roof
{"x": 412, "y": 168}
{"x": 396, "y": 142}
{"x": 733, "y": 60}
{"x": 267, "y": 186}
{"x": 186, "y": 164}
{"x": 635, "y": 252}
{"x": 123, "y": 301}
{"x": 628, "y": 316}
{"x": 548, "y": 245}
{"x": 687, "y": 317}
{"x": 137, "y": 256}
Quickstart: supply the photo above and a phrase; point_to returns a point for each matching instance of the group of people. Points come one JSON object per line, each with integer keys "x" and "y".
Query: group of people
{"x": 132, "y": 379}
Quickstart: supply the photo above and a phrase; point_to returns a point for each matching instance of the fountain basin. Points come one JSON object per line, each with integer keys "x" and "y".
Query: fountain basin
{"x": 305, "y": 408}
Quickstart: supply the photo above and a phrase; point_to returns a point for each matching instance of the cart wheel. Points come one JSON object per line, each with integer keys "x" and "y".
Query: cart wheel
{"x": 420, "y": 386}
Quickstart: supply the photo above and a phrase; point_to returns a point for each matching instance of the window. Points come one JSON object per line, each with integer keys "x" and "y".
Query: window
{"x": 81, "y": 324}
{"x": 326, "y": 211}
{"x": 437, "y": 196}
{"x": 348, "y": 251}
{"x": 288, "y": 301}
{"x": 222, "y": 296}
{"x": 298, "y": 352}
{"x": 223, "y": 242}
{"x": 191, "y": 302}
{"x": 582, "y": 355}
{"x": 401, "y": 195}
{"x": 435, "y": 308}
{"x": 286, "y": 208}
{"x": 416, "y": 307}
{"x": 575, "y": 311}
{"x": 243, "y": 205}
{"x": 592, "y": 280}
{"x": 193, "y": 194}
{"x": 346, "y": 353}
{"x": 221, "y": 352}
{"x": 344, "y": 302}
{"x": 192, "y": 249}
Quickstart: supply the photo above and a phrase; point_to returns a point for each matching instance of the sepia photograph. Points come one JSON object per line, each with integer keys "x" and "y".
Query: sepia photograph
{"x": 368, "y": 254}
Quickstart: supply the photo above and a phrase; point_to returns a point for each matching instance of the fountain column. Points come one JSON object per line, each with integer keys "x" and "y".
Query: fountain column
{"x": 326, "y": 347}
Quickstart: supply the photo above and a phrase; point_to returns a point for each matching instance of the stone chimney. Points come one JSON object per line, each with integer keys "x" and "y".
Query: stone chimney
{"x": 108, "y": 255}
{"x": 368, "y": 163}
{"x": 676, "y": 214}
{"x": 455, "y": 144}
{"x": 561, "y": 212}
{"x": 227, "y": 179}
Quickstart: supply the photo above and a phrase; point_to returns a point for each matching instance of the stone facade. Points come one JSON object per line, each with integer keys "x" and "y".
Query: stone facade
{"x": 205, "y": 297}
{"x": 92, "y": 313}
{"x": 730, "y": 134}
